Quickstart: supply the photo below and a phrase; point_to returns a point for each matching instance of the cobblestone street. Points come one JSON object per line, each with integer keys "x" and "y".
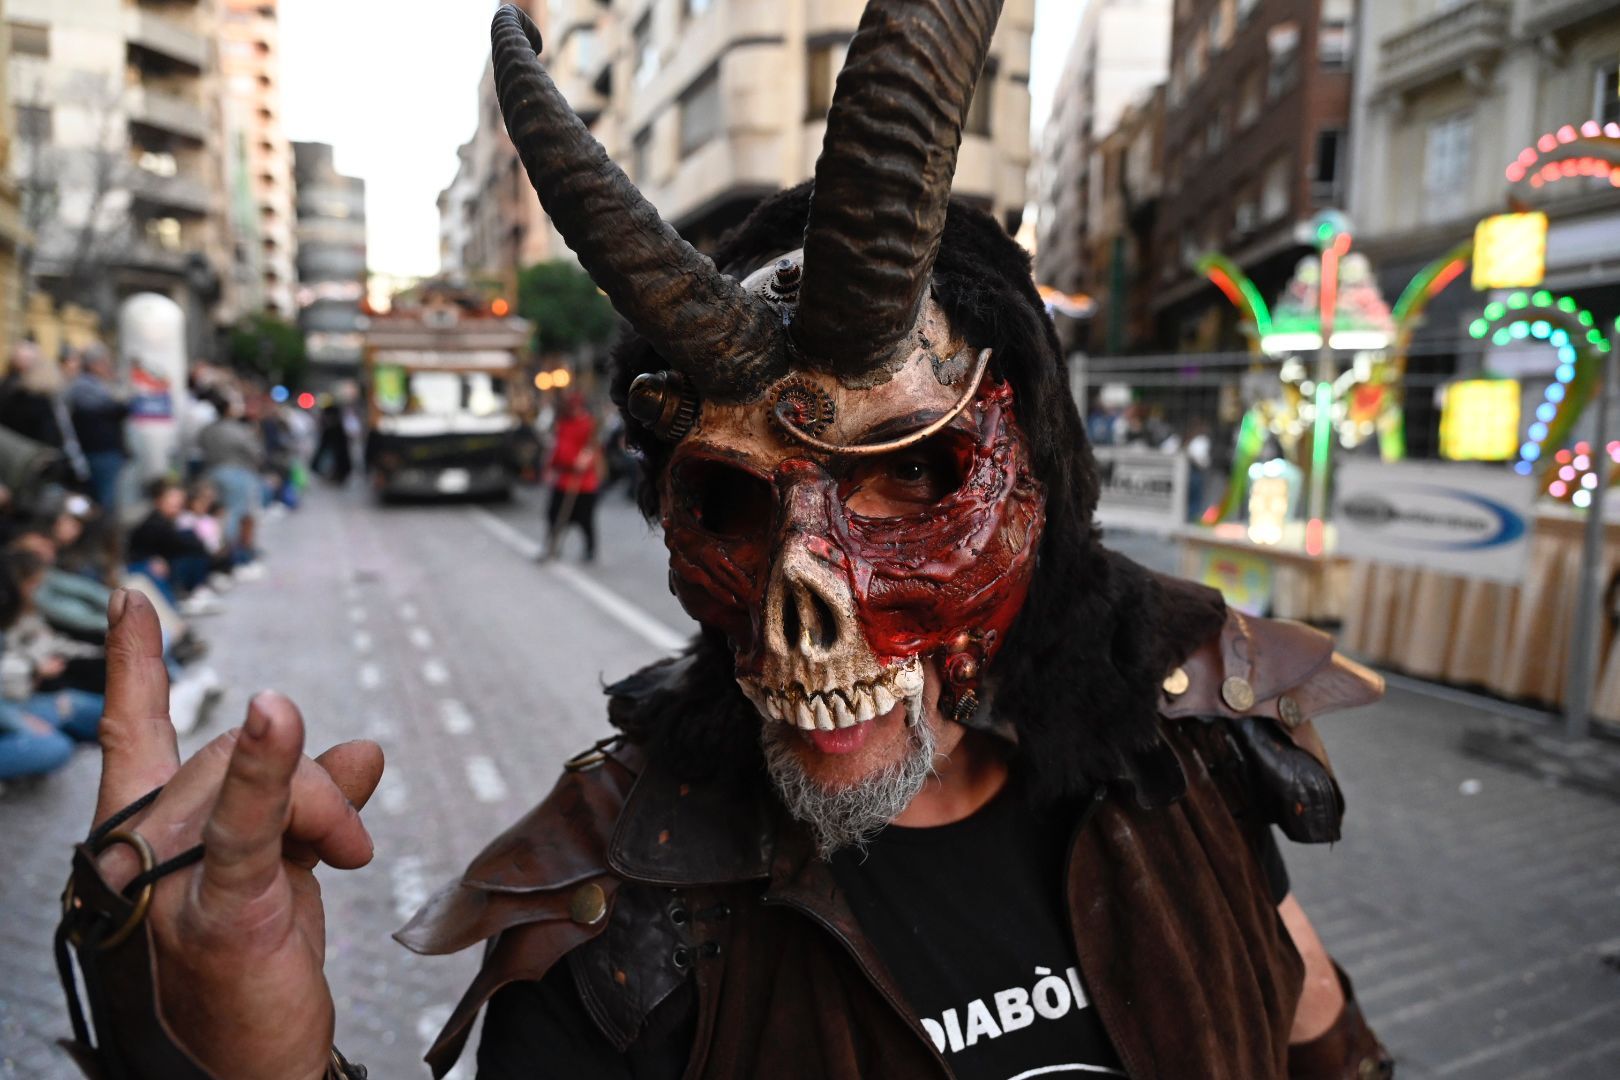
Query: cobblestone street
{"x": 1477, "y": 909}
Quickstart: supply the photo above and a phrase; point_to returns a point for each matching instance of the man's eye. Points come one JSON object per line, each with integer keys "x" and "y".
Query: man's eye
{"x": 906, "y": 482}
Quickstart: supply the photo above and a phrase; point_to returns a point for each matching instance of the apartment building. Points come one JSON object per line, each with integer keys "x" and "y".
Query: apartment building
{"x": 117, "y": 151}
{"x": 1450, "y": 94}
{"x": 331, "y": 237}
{"x": 258, "y": 158}
{"x": 12, "y": 235}
{"x": 710, "y": 105}
{"x": 1257, "y": 116}
{"x": 1126, "y": 186}
{"x": 1119, "y": 57}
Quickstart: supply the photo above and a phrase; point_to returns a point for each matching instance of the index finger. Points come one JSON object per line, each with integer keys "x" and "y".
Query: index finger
{"x": 139, "y": 750}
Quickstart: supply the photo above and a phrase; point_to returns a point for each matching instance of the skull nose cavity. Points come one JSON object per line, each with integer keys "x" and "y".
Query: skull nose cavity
{"x": 809, "y": 622}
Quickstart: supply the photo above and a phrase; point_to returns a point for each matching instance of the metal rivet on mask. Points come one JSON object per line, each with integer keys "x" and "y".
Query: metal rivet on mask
{"x": 588, "y": 904}
{"x": 784, "y": 285}
{"x": 1290, "y": 712}
{"x": 665, "y": 402}
{"x": 1238, "y": 694}
{"x": 1176, "y": 683}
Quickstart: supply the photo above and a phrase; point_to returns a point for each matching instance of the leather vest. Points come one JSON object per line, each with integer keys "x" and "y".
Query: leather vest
{"x": 640, "y": 882}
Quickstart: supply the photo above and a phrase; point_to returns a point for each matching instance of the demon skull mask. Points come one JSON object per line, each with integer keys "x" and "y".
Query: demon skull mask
{"x": 849, "y": 496}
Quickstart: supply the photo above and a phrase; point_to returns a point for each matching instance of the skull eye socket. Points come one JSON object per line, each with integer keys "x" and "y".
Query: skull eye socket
{"x": 728, "y": 502}
{"x": 907, "y": 481}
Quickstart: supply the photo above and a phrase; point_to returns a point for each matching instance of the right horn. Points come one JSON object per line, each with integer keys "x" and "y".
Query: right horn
{"x": 884, "y": 179}
{"x": 700, "y": 321}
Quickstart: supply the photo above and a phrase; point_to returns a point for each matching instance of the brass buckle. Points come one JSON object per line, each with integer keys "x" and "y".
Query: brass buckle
{"x": 143, "y": 902}
{"x": 591, "y": 758}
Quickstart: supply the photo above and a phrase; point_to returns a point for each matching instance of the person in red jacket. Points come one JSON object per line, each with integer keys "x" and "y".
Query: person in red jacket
{"x": 574, "y": 474}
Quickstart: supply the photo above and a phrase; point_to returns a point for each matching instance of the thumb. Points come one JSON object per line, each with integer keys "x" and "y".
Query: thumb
{"x": 242, "y": 839}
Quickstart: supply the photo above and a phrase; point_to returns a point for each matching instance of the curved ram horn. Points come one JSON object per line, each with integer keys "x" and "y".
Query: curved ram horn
{"x": 884, "y": 179}
{"x": 699, "y": 320}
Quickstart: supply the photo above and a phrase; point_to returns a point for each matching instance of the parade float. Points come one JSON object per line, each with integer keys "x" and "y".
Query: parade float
{"x": 1515, "y": 609}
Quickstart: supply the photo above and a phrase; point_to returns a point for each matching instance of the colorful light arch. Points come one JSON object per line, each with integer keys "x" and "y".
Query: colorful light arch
{"x": 1582, "y": 350}
{"x": 1591, "y": 150}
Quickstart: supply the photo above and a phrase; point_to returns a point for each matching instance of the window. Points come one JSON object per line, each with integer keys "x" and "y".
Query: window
{"x": 1250, "y": 99}
{"x": 980, "y": 109}
{"x": 1282, "y": 48}
{"x": 645, "y": 52}
{"x": 1215, "y": 134}
{"x": 1329, "y": 164}
{"x": 34, "y": 122}
{"x": 641, "y": 156}
{"x": 820, "y": 74}
{"x": 587, "y": 51}
{"x": 30, "y": 39}
{"x": 1197, "y": 55}
{"x": 1275, "y": 198}
{"x": 1447, "y": 156}
{"x": 1336, "y": 39}
{"x": 1246, "y": 215}
{"x": 700, "y": 111}
{"x": 1606, "y": 110}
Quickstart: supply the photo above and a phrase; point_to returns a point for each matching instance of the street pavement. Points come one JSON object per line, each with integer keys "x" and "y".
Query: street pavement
{"x": 1477, "y": 909}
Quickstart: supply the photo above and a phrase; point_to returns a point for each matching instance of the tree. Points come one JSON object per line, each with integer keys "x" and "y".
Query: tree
{"x": 76, "y": 238}
{"x": 268, "y": 348}
{"x": 570, "y": 314}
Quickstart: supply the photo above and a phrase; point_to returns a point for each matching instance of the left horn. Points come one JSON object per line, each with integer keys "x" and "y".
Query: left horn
{"x": 700, "y": 321}
{"x": 884, "y": 179}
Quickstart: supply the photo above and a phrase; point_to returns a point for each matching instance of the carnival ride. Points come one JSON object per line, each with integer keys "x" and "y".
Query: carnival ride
{"x": 1367, "y": 397}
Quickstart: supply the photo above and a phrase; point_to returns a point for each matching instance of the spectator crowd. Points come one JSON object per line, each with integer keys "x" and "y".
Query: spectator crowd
{"x": 81, "y": 514}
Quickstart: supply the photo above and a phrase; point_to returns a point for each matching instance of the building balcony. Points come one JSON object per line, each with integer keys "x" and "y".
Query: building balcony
{"x": 176, "y": 195}
{"x": 153, "y": 258}
{"x": 167, "y": 38}
{"x": 1546, "y": 16}
{"x": 168, "y": 113}
{"x": 1445, "y": 44}
{"x": 331, "y": 232}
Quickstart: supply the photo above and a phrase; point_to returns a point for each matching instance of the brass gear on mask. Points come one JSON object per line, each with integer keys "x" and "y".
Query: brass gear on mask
{"x": 801, "y": 404}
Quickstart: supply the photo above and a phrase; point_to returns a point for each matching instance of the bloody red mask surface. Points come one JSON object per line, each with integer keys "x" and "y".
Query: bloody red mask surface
{"x": 836, "y": 576}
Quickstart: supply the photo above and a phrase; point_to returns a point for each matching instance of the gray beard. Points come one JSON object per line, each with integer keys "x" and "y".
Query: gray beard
{"x": 847, "y": 817}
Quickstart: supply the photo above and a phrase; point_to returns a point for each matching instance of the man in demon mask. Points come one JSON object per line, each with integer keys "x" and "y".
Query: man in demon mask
{"x": 943, "y": 787}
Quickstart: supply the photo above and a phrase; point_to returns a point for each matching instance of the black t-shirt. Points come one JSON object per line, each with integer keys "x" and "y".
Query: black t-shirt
{"x": 970, "y": 920}
{"x": 969, "y": 917}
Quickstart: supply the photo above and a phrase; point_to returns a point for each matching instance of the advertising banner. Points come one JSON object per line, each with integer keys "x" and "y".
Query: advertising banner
{"x": 1143, "y": 490}
{"x": 1468, "y": 520}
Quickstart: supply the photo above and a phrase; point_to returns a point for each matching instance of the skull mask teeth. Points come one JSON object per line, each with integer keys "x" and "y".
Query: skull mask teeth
{"x": 844, "y": 705}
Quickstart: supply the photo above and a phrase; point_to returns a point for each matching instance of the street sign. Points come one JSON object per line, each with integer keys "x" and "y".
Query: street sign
{"x": 1142, "y": 490}
{"x": 1510, "y": 251}
{"x": 1465, "y": 520}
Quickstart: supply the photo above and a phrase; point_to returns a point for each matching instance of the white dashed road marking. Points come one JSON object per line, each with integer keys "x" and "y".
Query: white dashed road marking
{"x": 392, "y": 793}
{"x": 362, "y": 641}
{"x": 370, "y": 676}
{"x": 409, "y": 885}
{"x": 485, "y": 778}
{"x": 457, "y": 720}
{"x": 407, "y": 611}
{"x": 357, "y": 615}
{"x": 607, "y": 601}
{"x": 421, "y": 638}
{"x": 434, "y": 671}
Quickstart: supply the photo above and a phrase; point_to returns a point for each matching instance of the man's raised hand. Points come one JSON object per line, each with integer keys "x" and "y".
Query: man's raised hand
{"x": 239, "y": 937}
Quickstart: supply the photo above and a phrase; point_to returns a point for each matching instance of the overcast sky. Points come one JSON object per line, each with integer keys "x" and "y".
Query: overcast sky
{"x": 393, "y": 87}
